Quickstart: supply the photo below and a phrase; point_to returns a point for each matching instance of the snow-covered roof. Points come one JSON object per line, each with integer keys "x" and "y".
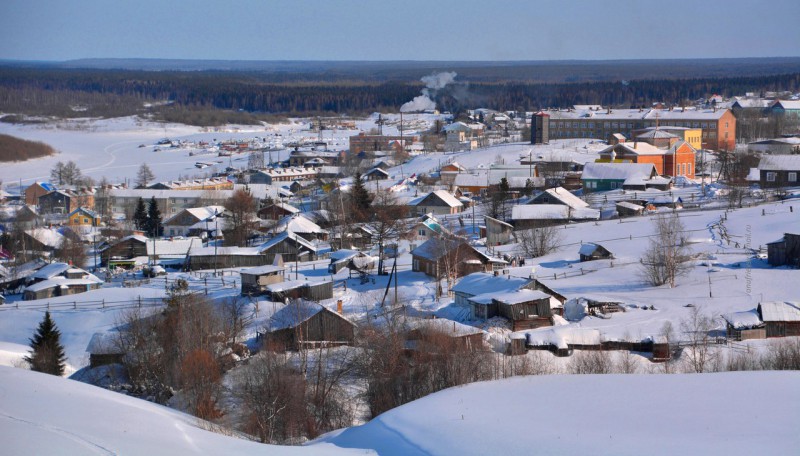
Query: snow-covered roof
{"x": 104, "y": 343}
{"x": 260, "y": 270}
{"x": 297, "y": 223}
{"x": 433, "y": 249}
{"x": 471, "y": 180}
{"x": 482, "y": 282}
{"x": 628, "y": 205}
{"x": 635, "y": 148}
{"x": 552, "y": 212}
{"x": 642, "y": 114}
{"x": 293, "y": 314}
{"x": 587, "y": 249}
{"x": 566, "y": 197}
{"x": 617, "y": 171}
{"x": 282, "y": 237}
{"x": 443, "y": 195}
{"x": 788, "y": 104}
{"x": 443, "y": 325}
{"x": 520, "y": 296}
{"x": 743, "y": 320}
{"x": 48, "y": 237}
{"x": 164, "y": 247}
{"x": 779, "y": 163}
{"x": 51, "y": 270}
{"x": 780, "y": 311}
{"x": 90, "y": 279}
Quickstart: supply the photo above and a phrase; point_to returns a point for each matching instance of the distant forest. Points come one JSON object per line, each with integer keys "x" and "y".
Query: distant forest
{"x": 206, "y": 97}
{"x": 16, "y": 149}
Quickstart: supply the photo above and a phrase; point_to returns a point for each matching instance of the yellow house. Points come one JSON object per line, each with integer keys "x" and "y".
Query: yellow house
{"x": 83, "y": 217}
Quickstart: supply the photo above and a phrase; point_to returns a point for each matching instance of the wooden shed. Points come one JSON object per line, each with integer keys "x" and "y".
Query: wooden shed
{"x": 297, "y": 289}
{"x": 305, "y": 324}
{"x": 526, "y": 309}
{"x": 255, "y": 280}
{"x": 422, "y": 330}
{"x": 785, "y": 251}
{"x": 629, "y": 209}
{"x": 781, "y": 319}
{"x": 592, "y": 251}
{"x": 744, "y": 325}
{"x": 104, "y": 348}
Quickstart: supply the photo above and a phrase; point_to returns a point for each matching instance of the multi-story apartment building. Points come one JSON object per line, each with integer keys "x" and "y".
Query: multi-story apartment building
{"x": 718, "y": 126}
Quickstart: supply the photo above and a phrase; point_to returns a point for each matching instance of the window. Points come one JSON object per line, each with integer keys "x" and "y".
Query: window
{"x": 792, "y": 177}
{"x": 85, "y": 220}
{"x": 613, "y": 185}
{"x": 771, "y": 176}
{"x": 688, "y": 169}
{"x": 421, "y": 232}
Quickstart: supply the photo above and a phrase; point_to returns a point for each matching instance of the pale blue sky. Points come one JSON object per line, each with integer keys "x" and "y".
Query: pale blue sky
{"x": 397, "y": 30}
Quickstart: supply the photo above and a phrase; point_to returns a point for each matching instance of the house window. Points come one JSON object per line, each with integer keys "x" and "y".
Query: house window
{"x": 613, "y": 185}
{"x": 421, "y": 232}
{"x": 792, "y": 177}
{"x": 688, "y": 169}
{"x": 85, "y": 220}
{"x": 416, "y": 265}
{"x": 771, "y": 176}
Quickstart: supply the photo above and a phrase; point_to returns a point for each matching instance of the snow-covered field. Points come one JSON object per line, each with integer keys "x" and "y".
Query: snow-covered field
{"x": 583, "y": 414}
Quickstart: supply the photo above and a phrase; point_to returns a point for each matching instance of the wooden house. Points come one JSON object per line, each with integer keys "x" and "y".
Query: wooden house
{"x": 779, "y": 171}
{"x": 629, "y": 209}
{"x": 83, "y": 217}
{"x": 558, "y": 195}
{"x": 449, "y": 171}
{"x": 277, "y": 211}
{"x": 438, "y": 202}
{"x": 55, "y": 202}
{"x": 781, "y": 319}
{"x": 36, "y": 190}
{"x": 193, "y": 221}
{"x": 529, "y": 216}
{"x": 304, "y": 324}
{"x": 785, "y": 251}
{"x": 376, "y": 174}
{"x": 353, "y": 260}
{"x": 255, "y": 280}
{"x": 42, "y": 240}
{"x": 481, "y": 283}
{"x": 439, "y": 257}
{"x": 591, "y": 251}
{"x": 525, "y": 309}
{"x": 133, "y": 248}
{"x": 60, "y": 279}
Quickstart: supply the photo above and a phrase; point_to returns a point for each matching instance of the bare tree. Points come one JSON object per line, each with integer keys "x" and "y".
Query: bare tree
{"x": 591, "y": 362}
{"x": 65, "y": 173}
{"x": 144, "y": 176}
{"x": 386, "y": 221}
{"x": 698, "y": 353}
{"x": 667, "y": 256}
{"x": 536, "y": 242}
{"x": 72, "y": 252}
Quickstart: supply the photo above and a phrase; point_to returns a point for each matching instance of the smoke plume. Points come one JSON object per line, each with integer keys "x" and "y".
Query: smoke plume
{"x": 433, "y": 83}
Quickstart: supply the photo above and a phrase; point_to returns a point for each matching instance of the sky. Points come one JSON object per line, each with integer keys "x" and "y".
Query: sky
{"x": 56, "y": 30}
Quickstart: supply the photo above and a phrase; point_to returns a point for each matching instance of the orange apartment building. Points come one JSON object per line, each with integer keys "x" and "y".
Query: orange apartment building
{"x": 676, "y": 160}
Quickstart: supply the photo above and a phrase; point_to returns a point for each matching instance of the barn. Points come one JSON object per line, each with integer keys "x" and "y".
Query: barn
{"x": 296, "y": 289}
{"x": 781, "y": 319}
{"x": 592, "y": 251}
{"x": 744, "y": 325}
{"x": 255, "y": 280}
{"x": 305, "y": 324}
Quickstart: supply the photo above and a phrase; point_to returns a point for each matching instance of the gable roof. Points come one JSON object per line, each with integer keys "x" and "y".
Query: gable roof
{"x": 779, "y": 163}
{"x": 779, "y": 311}
{"x": 443, "y": 195}
{"x": 552, "y": 212}
{"x": 617, "y": 171}
{"x": 88, "y": 212}
{"x": 564, "y": 196}
{"x": 480, "y": 282}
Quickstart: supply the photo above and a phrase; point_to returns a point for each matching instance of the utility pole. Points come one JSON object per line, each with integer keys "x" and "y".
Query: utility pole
{"x": 216, "y": 228}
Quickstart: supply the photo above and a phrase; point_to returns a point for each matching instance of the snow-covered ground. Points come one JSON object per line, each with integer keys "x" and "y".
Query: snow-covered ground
{"x": 561, "y": 414}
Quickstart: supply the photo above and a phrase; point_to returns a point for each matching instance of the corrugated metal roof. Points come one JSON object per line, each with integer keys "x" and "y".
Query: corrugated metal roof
{"x": 779, "y": 311}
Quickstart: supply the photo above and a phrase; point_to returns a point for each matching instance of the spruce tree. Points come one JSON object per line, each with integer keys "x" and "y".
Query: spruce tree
{"x": 47, "y": 354}
{"x": 140, "y": 215}
{"x": 360, "y": 198}
{"x": 153, "y": 226}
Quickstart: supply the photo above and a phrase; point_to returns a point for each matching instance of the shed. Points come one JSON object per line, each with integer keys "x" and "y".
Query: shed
{"x": 785, "y": 251}
{"x": 304, "y": 324}
{"x": 255, "y": 280}
{"x": 295, "y": 289}
{"x": 422, "y": 329}
{"x": 744, "y": 325}
{"x": 591, "y": 251}
{"x": 104, "y": 348}
{"x": 526, "y": 309}
{"x": 628, "y": 209}
{"x": 781, "y": 319}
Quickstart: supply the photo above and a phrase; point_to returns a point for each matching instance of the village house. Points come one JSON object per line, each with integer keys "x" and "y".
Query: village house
{"x": 375, "y": 174}
{"x": 449, "y": 172}
{"x": 36, "y": 190}
{"x": 438, "y": 202}
{"x": 137, "y": 249}
{"x": 353, "y": 260}
{"x": 461, "y": 136}
{"x": 193, "y": 221}
{"x": 83, "y": 217}
{"x": 485, "y": 283}
{"x": 785, "y": 251}
{"x": 529, "y": 216}
{"x": 420, "y": 331}
{"x": 558, "y": 195}
{"x": 693, "y": 136}
{"x": 300, "y": 225}
{"x": 455, "y": 257}
{"x": 60, "y": 279}
{"x": 276, "y": 211}
{"x": 775, "y": 146}
{"x": 779, "y": 171}
{"x": 599, "y": 177}
{"x": 42, "y": 241}
{"x": 305, "y": 324}
{"x": 364, "y": 144}
{"x": 769, "y": 319}
{"x": 424, "y": 228}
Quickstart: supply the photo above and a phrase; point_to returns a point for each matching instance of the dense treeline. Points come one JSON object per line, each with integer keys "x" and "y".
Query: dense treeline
{"x": 16, "y": 149}
{"x": 193, "y": 95}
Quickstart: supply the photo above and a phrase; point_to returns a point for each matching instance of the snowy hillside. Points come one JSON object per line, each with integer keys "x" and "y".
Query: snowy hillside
{"x": 42, "y": 414}
{"x": 594, "y": 414}
{"x": 584, "y": 414}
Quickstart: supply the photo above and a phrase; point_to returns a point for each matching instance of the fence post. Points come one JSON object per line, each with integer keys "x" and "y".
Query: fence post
{"x": 104, "y": 303}
{"x": 74, "y": 304}
{"x": 140, "y": 301}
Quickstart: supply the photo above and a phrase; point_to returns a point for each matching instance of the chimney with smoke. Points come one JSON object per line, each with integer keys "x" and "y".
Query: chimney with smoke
{"x": 433, "y": 83}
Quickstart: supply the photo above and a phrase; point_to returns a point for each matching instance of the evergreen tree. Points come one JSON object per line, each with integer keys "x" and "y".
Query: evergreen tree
{"x": 47, "y": 354}
{"x": 153, "y": 226}
{"x": 140, "y": 215}
{"x": 360, "y": 199}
